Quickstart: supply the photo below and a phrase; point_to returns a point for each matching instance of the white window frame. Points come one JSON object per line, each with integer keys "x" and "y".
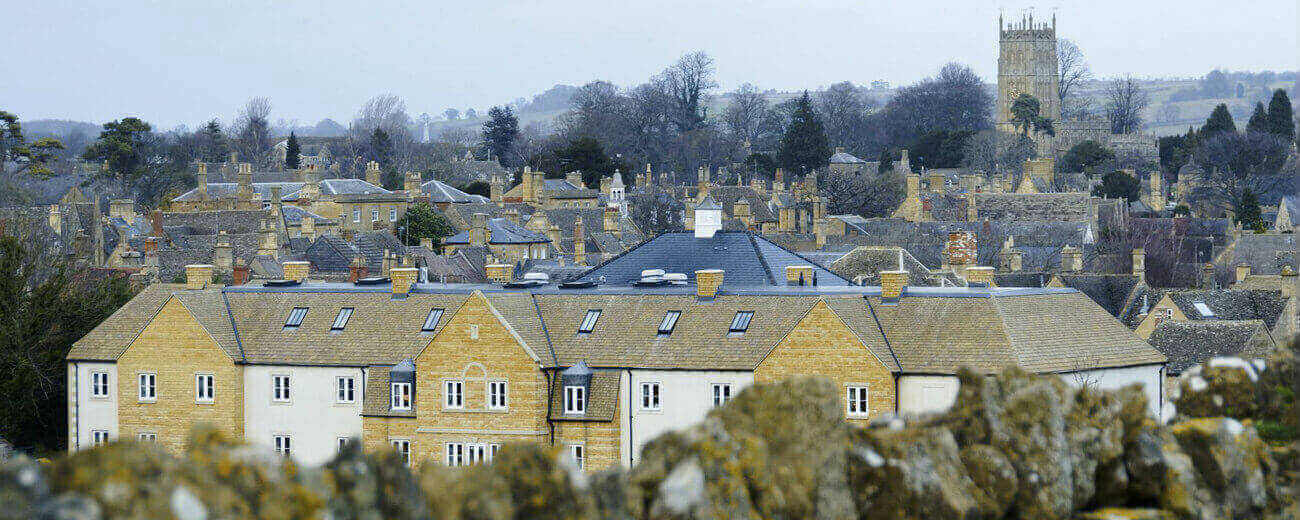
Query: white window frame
{"x": 498, "y": 395}
{"x": 721, "y": 393}
{"x": 402, "y": 447}
{"x": 578, "y": 455}
{"x": 345, "y": 390}
{"x": 454, "y": 454}
{"x": 276, "y": 395}
{"x": 99, "y": 437}
{"x": 341, "y": 319}
{"x": 651, "y": 396}
{"x": 100, "y": 385}
{"x": 453, "y": 394}
{"x": 356, "y": 215}
{"x": 392, "y": 215}
{"x": 857, "y": 400}
{"x": 147, "y": 387}
{"x": 374, "y": 215}
{"x": 205, "y": 381}
{"x": 283, "y": 444}
{"x": 575, "y": 399}
{"x": 146, "y": 437}
{"x": 589, "y": 321}
{"x": 400, "y": 394}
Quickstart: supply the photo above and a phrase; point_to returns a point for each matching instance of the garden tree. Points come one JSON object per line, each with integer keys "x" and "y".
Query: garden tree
{"x": 1236, "y": 162}
{"x": 1125, "y": 101}
{"x": 500, "y": 132}
{"x": 253, "y": 131}
{"x": 940, "y": 148}
{"x": 1258, "y": 120}
{"x": 1025, "y": 111}
{"x": 292, "y": 153}
{"x": 1073, "y": 70}
{"x": 45, "y": 305}
{"x": 1248, "y": 213}
{"x": 954, "y": 100}
{"x": 584, "y": 154}
{"x": 760, "y": 163}
{"x": 422, "y": 221}
{"x": 1085, "y": 157}
{"x": 868, "y": 194}
{"x": 210, "y": 143}
{"x": 1118, "y": 185}
{"x": 126, "y": 148}
{"x": 656, "y": 212}
{"x": 804, "y": 147}
{"x": 1220, "y": 121}
{"x": 478, "y": 188}
{"x": 744, "y": 114}
{"x": 686, "y": 82}
{"x": 1281, "y": 117}
{"x": 17, "y": 155}
{"x": 392, "y": 179}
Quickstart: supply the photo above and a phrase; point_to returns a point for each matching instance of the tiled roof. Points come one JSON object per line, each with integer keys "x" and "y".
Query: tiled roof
{"x": 749, "y": 260}
{"x": 108, "y": 340}
{"x": 1266, "y": 253}
{"x": 443, "y": 193}
{"x": 1110, "y": 291}
{"x": 377, "y": 401}
{"x": 502, "y": 231}
{"x": 602, "y": 399}
{"x": 845, "y": 158}
{"x": 1231, "y": 304}
{"x": 288, "y": 190}
{"x": 1190, "y": 343}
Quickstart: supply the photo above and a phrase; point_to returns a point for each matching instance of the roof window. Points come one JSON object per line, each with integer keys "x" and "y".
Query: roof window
{"x": 295, "y": 317}
{"x": 341, "y": 320}
{"x": 740, "y": 323}
{"x": 1204, "y": 309}
{"x": 670, "y": 322}
{"x": 431, "y": 322}
{"x": 589, "y": 321}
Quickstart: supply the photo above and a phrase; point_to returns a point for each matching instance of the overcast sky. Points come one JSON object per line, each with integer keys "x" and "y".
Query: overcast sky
{"x": 186, "y": 61}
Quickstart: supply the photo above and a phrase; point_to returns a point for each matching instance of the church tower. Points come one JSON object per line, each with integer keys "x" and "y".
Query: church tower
{"x": 1027, "y": 65}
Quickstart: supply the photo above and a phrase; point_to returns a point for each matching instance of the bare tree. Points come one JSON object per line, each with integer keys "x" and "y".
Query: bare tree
{"x": 993, "y": 152}
{"x": 745, "y": 113}
{"x": 1073, "y": 70}
{"x": 1125, "y": 101}
{"x": 870, "y": 195}
{"x": 686, "y": 83}
{"x": 252, "y": 131}
{"x": 386, "y": 112}
{"x": 843, "y": 111}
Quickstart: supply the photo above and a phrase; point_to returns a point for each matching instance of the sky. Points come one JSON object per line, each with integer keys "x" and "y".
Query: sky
{"x": 184, "y": 62}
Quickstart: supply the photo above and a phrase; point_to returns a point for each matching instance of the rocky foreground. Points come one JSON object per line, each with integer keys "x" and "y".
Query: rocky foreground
{"x": 1013, "y": 446}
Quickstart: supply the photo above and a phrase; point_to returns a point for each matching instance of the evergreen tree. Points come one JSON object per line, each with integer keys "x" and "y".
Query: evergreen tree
{"x": 1280, "y": 116}
{"x": 1025, "y": 111}
{"x": 804, "y": 147}
{"x": 1220, "y": 121}
{"x": 499, "y": 133}
{"x": 1258, "y": 120}
{"x": 292, "y": 153}
{"x": 1248, "y": 214}
{"x": 422, "y": 221}
{"x": 1086, "y": 157}
{"x": 1118, "y": 185}
{"x": 212, "y": 143}
{"x": 381, "y": 147}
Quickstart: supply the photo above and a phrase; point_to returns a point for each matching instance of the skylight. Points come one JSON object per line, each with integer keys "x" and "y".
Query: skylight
{"x": 1204, "y": 309}
{"x": 341, "y": 320}
{"x": 431, "y": 322}
{"x": 589, "y": 322}
{"x": 670, "y": 321}
{"x": 740, "y": 323}
{"x": 295, "y": 317}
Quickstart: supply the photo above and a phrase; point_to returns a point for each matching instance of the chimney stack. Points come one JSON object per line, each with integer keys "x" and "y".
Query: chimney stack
{"x": 1243, "y": 270}
{"x": 198, "y": 276}
{"x": 403, "y": 278}
{"x": 1208, "y": 280}
{"x": 579, "y": 242}
{"x": 201, "y": 180}
{"x": 892, "y": 284}
{"x": 372, "y": 174}
{"x": 498, "y": 273}
{"x": 798, "y": 275}
{"x": 222, "y": 256}
{"x": 979, "y": 276}
{"x": 707, "y": 282}
{"x": 357, "y": 269}
{"x": 1071, "y": 259}
{"x": 478, "y": 233}
{"x": 1140, "y": 263}
{"x": 296, "y": 270}
{"x": 240, "y": 274}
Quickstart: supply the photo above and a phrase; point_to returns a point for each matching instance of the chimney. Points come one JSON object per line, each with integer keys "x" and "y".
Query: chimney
{"x": 707, "y": 282}
{"x": 1140, "y": 263}
{"x": 357, "y": 269}
{"x": 892, "y": 284}
{"x": 268, "y": 243}
{"x": 245, "y": 179}
{"x": 222, "y": 254}
{"x": 412, "y": 184}
{"x": 277, "y": 205}
{"x": 579, "y": 242}
{"x": 240, "y": 273}
{"x": 386, "y": 264}
{"x": 798, "y": 275}
{"x": 478, "y": 233}
{"x": 156, "y": 223}
{"x": 201, "y": 181}
{"x": 960, "y": 250}
{"x": 1013, "y": 260}
{"x": 1207, "y": 277}
{"x": 198, "y": 276}
{"x": 605, "y": 185}
{"x": 1243, "y": 270}
{"x": 611, "y": 221}
{"x": 372, "y": 173}
{"x": 979, "y": 276}
{"x": 496, "y": 189}
{"x": 296, "y": 270}
{"x": 151, "y": 246}
{"x": 498, "y": 273}
{"x": 308, "y": 227}
{"x": 778, "y": 182}
{"x": 403, "y": 278}
{"x": 904, "y": 164}
{"x": 1071, "y": 259}
{"x": 913, "y": 187}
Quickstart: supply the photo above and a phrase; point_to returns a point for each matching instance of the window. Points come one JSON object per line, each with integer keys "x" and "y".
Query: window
{"x": 1204, "y": 309}
{"x": 341, "y": 320}
{"x": 282, "y": 444}
{"x": 740, "y": 323}
{"x": 478, "y": 454}
{"x": 204, "y": 388}
{"x": 589, "y": 321}
{"x": 347, "y": 389}
{"x": 431, "y": 322}
{"x": 99, "y": 384}
{"x": 98, "y": 437}
{"x": 577, "y": 453}
{"x": 403, "y": 448}
{"x": 455, "y": 454}
{"x": 147, "y": 437}
{"x": 374, "y": 215}
{"x": 401, "y": 396}
{"x": 356, "y": 215}
{"x": 295, "y": 317}
{"x": 473, "y": 331}
{"x": 342, "y": 443}
{"x": 670, "y": 321}
{"x": 148, "y": 388}
{"x": 721, "y": 393}
{"x": 857, "y": 401}
{"x": 496, "y": 395}
{"x": 280, "y": 388}
{"x": 650, "y": 396}
{"x": 392, "y": 215}
{"x": 453, "y": 394}
{"x": 575, "y": 399}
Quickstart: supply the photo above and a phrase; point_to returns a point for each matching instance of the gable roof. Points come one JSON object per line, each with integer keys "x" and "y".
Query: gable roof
{"x": 441, "y": 192}
{"x": 1190, "y": 343}
{"x": 1231, "y": 304}
{"x": 501, "y": 231}
{"x": 108, "y": 340}
{"x": 748, "y": 259}
{"x": 1110, "y": 291}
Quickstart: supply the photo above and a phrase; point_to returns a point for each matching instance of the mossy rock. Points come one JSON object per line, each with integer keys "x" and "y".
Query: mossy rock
{"x": 1114, "y": 513}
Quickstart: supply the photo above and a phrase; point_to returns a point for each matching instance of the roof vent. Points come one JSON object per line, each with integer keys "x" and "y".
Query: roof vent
{"x": 280, "y": 283}
{"x": 676, "y": 278}
{"x": 531, "y": 279}
{"x": 373, "y": 280}
{"x": 652, "y": 272}
{"x": 577, "y": 285}
{"x": 651, "y": 278}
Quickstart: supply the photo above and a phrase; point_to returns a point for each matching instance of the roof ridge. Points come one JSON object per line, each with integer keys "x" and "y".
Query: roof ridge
{"x": 767, "y": 270}
{"x": 234, "y": 329}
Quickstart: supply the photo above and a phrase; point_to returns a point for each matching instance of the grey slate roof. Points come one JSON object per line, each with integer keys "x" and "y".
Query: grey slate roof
{"x": 845, "y": 158}
{"x": 502, "y": 231}
{"x": 288, "y": 190}
{"x": 1190, "y": 343}
{"x": 1266, "y": 253}
{"x": 443, "y": 193}
{"x": 749, "y": 260}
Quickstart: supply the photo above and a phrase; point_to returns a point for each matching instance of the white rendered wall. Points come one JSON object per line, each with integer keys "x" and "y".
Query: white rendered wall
{"x": 935, "y": 393}
{"x": 1148, "y": 376}
{"x": 921, "y": 394}
{"x": 686, "y": 396}
{"x": 312, "y": 418}
{"x": 94, "y": 413}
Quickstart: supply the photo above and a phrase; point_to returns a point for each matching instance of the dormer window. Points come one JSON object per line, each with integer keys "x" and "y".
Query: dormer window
{"x": 341, "y": 320}
{"x": 431, "y": 322}
{"x": 589, "y": 321}
{"x": 740, "y": 323}
{"x": 401, "y": 396}
{"x": 575, "y": 399}
{"x": 295, "y": 317}
{"x": 669, "y": 323}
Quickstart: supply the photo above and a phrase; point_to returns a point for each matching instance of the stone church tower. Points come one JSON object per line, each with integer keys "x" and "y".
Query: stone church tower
{"x": 1027, "y": 65}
